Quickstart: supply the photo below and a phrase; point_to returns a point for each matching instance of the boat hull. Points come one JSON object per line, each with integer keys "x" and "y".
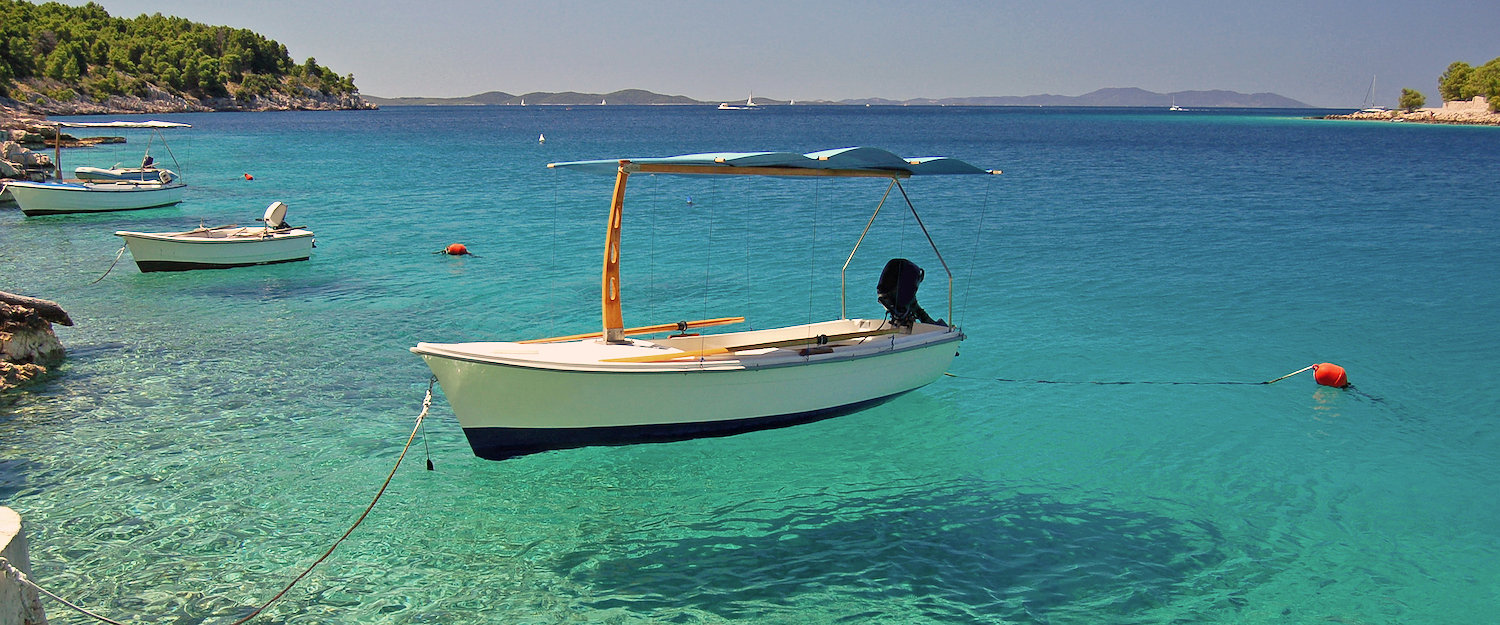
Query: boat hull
{"x": 508, "y": 410}
{"x": 173, "y": 252}
{"x": 52, "y": 198}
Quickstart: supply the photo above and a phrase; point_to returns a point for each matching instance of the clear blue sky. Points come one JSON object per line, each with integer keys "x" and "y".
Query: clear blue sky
{"x": 1320, "y": 52}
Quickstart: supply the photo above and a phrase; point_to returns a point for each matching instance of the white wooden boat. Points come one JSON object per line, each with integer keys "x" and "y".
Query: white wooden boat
{"x": 99, "y": 195}
{"x": 221, "y": 247}
{"x": 611, "y": 388}
{"x": 52, "y": 197}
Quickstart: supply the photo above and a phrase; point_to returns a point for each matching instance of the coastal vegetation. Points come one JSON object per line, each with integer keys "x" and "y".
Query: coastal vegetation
{"x": 56, "y": 54}
{"x": 1411, "y": 99}
{"x": 1462, "y": 82}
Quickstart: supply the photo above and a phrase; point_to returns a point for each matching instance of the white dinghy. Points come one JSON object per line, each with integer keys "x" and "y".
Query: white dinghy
{"x": 109, "y": 190}
{"x": 222, "y": 247}
{"x": 607, "y": 388}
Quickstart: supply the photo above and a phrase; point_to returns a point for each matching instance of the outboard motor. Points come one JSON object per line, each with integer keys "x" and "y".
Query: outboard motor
{"x": 897, "y": 291}
{"x": 275, "y": 216}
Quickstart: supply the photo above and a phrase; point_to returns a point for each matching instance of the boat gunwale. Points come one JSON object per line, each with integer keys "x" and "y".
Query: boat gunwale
{"x": 731, "y": 364}
{"x": 175, "y": 237}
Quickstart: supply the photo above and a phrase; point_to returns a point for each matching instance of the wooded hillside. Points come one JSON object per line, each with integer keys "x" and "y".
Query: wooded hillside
{"x": 66, "y": 53}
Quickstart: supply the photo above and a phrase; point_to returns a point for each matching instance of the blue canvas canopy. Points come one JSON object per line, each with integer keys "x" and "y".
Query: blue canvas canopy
{"x": 847, "y": 159}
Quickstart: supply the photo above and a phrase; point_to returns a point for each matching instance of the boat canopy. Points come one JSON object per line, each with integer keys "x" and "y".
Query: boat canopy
{"x": 847, "y": 159}
{"x": 147, "y": 124}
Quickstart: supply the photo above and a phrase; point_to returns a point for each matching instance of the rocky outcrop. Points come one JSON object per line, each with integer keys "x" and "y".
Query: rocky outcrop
{"x": 27, "y": 344}
{"x": 1474, "y": 112}
{"x": 156, "y": 100}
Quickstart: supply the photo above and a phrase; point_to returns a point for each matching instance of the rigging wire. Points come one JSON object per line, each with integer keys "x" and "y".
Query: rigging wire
{"x": 974, "y": 255}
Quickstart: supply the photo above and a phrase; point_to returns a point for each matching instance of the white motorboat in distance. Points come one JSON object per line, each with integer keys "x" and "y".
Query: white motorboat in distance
{"x": 748, "y": 105}
{"x": 221, "y": 247}
{"x": 611, "y": 388}
{"x": 99, "y": 195}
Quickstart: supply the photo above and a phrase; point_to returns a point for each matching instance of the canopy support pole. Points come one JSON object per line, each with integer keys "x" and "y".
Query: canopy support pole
{"x": 614, "y": 323}
{"x": 843, "y": 283}
{"x": 932, "y": 243}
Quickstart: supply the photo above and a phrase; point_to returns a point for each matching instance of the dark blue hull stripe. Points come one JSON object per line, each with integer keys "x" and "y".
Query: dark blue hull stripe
{"x": 165, "y": 265}
{"x": 502, "y": 443}
{"x": 38, "y": 212}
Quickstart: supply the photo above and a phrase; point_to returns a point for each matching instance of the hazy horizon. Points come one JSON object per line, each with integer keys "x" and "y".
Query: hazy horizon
{"x": 1322, "y": 53}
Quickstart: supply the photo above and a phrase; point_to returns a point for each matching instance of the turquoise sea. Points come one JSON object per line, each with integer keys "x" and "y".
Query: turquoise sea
{"x": 212, "y": 432}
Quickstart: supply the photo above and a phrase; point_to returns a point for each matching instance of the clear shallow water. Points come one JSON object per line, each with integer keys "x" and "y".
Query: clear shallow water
{"x": 212, "y": 432}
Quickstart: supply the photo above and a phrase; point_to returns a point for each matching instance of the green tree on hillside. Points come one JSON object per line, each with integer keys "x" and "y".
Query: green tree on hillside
{"x": 1486, "y": 82}
{"x": 1454, "y": 83}
{"x": 1462, "y": 82}
{"x": 1411, "y": 100}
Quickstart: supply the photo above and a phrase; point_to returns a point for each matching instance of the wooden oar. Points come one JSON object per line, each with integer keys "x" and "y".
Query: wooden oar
{"x": 713, "y": 351}
{"x": 660, "y": 327}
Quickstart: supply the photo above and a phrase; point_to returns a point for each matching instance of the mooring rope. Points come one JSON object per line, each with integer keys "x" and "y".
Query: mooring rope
{"x": 1123, "y": 382}
{"x": 5, "y": 566}
{"x": 16, "y": 574}
{"x": 118, "y": 256}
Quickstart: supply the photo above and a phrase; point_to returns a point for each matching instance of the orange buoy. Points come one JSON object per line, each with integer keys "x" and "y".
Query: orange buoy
{"x": 249, "y": 177}
{"x": 456, "y": 249}
{"x": 1329, "y": 374}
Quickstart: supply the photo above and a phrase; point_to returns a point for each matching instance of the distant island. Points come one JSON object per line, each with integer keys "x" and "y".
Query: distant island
{"x": 60, "y": 59}
{"x": 1120, "y": 97}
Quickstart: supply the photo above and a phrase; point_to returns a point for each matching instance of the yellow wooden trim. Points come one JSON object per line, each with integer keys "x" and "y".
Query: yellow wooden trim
{"x": 714, "y": 351}
{"x": 712, "y": 170}
{"x": 660, "y": 327}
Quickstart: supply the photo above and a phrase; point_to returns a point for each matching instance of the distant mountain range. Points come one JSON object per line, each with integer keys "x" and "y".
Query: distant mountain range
{"x": 1119, "y": 96}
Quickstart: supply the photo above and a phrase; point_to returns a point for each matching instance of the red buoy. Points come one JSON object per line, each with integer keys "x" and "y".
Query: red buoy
{"x": 1329, "y": 374}
{"x": 456, "y": 249}
{"x": 249, "y": 177}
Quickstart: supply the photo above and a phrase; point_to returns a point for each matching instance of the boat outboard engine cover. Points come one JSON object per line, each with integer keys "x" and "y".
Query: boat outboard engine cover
{"x": 275, "y": 217}
{"x": 897, "y": 291}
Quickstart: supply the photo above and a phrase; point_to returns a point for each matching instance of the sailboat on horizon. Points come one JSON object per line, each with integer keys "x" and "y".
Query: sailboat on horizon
{"x": 1369, "y": 106}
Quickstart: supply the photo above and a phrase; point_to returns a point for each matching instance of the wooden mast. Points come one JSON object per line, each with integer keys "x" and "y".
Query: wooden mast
{"x": 614, "y": 323}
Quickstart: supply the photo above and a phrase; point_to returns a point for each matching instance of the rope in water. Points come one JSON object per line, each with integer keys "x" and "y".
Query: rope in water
{"x": 111, "y": 265}
{"x": 1344, "y": 383}
{"x": 5, "y": 566}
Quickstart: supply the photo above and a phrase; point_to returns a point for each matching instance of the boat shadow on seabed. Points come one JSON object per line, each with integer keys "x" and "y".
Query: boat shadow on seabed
{"x": 953, "y": 553}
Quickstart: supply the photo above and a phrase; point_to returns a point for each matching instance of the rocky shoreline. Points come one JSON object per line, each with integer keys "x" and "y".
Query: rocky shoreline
{"x": 1468, "y": 113}
{"x": 162, "y": 102}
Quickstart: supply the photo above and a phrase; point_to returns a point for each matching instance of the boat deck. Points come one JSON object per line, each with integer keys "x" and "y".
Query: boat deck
{"x": 728, "y": 351}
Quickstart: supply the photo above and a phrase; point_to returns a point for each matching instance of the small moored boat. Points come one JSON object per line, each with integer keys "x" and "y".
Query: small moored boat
{"x": 609, "y": 388}
{"x": 112, "y": 190}
{"x": 221, "y": 247}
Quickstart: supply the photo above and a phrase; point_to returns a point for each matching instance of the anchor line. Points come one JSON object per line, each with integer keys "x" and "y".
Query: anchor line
{"x": 5, "y": 566}
{"x": 1126, "y": 382}
{"x": 13, "y": 572}
{"x": 118, "y": 256}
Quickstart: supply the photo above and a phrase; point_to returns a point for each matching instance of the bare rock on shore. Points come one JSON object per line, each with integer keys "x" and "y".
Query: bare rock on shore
{"x": 1473, "y": 112}
{"x": 27, "y": 343}
{"x": 39, "y": 102}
